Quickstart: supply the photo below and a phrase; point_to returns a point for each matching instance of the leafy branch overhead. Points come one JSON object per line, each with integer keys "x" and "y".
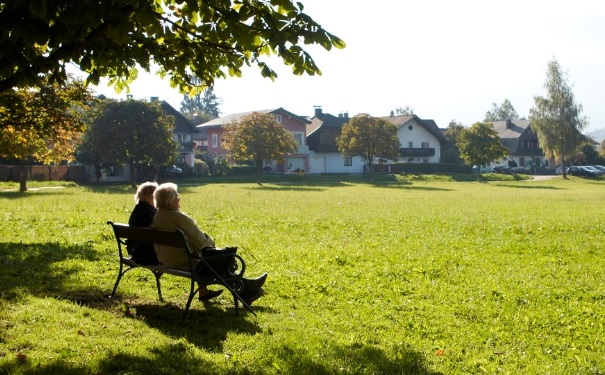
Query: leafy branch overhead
{"x": 183, "y": 39}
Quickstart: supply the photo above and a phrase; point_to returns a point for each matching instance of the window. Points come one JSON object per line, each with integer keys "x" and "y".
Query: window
{"x": 522, "y": 162}
{"x": 298, "y": 137}
{"x": 410, "y": 144}
{"x": 348, "y": 161}
{"x": 277, "y": 118}
{"x": 182, "y": 138}
{"x": 215, "y": 140}
{"x": 425, "y": 145}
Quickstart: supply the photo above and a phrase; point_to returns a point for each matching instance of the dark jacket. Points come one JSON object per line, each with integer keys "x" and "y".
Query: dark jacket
{"x": 142, "y": 216}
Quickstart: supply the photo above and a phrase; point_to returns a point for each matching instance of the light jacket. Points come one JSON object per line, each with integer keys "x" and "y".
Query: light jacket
{"x": 171, "y": 219}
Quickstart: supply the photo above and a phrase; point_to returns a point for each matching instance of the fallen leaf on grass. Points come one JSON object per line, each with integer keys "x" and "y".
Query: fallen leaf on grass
{"x": 439, "y": 352}
{"x": 21, "y": 357}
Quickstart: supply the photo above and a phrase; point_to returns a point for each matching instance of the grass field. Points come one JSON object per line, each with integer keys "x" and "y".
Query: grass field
{"x": 414, "y": 275}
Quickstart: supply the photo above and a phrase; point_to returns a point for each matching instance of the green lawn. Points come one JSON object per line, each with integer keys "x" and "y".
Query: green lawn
{"x": 415, "y": 275}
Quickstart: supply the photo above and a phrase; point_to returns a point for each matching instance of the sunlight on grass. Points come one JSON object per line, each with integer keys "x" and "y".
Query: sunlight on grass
{"x": 416, "y": 276}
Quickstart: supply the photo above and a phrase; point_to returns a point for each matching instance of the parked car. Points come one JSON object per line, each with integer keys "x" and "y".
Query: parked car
{"x": 522, "y": 170}
{"x": 599, "y": 167}
{"x": 580, "y": 170}
{"x": 502, "y": 169}
{"x": 595, "y": 171}
{"x": 172, "y": 171}
{"x": 559, "y": 170}
{"x": 576, "y": 171}
{"x": 483, "y": 169}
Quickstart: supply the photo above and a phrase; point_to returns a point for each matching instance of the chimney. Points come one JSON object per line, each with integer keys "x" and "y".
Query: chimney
{"x": 508, "y": 123}
{"x": 155, "y": 99}
{"x": 346, "y": 114}
{"x": 317, "y": 110}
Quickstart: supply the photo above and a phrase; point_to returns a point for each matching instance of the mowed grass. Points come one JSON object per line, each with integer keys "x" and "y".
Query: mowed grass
{"x": 384, "y": 277}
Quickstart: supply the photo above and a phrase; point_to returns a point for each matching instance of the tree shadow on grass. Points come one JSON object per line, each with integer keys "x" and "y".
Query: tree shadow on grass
{"x": 286, "y": 187}
{"x": 409, "y": 186}
{"x": 537, "y": 187}
{"x": 27, "y": 267}
{"x": 14, "y": 195}
{"x": 176, "y": 358}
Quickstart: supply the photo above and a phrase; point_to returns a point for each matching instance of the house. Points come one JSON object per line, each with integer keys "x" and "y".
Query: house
{"x": 322, "y": 132}
{"x": 420, "y": 140}
{"x": 184, "y": 132}
{"x": 295, "y": 124}
{"x": 522, "y": 144}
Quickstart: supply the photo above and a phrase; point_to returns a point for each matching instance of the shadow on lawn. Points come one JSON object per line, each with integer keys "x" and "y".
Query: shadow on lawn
{"x": 177, "y": 358}
{"x": 28, "y": 266}
{"x": 537, "y": 187}
{"x": 14, "y": 195}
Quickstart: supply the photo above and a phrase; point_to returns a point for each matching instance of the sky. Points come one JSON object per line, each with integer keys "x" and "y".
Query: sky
{"x": 448, "y": 60}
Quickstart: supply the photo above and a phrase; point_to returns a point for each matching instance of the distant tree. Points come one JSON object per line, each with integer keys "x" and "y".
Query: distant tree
{"x": 590, "y": 156}
{"x": 131, "y": 132}
{"x": 42, "y": 124}
{"x": 502, "y": 112}
{"x": 450, "y": 152}
{"x": 369, "y": 138}
{"x": 185, "y": 39}
{"x": 407, "y": 111}
{"x": 203, "y": 107}
{"x": 86, "y": 153}
{"x": 556, "y": 118}
{"x": 258, "y": 137}
{"x": 479, "y": 145}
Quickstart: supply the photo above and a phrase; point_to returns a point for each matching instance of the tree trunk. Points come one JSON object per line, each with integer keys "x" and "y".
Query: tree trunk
{"x": 370, "y": 171}
{"x": 97, "y": 167}
{"x": 23, "y": 177}
{"x": 259, "y": 169}
{"x": 133, "y": 176}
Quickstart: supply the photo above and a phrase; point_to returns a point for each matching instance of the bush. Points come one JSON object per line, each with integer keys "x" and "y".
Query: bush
{"x": 241, "y": 170}
{"x": 430, "y": 168}
{"x": 201, "y": 168}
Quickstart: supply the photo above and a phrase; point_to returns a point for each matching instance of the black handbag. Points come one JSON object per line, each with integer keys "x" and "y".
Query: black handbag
{"x": 222, "y": 260}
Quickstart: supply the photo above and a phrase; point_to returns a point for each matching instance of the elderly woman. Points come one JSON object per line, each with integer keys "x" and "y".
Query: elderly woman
{"x": 142, "y": 216}
{"x": 169, "y": 217}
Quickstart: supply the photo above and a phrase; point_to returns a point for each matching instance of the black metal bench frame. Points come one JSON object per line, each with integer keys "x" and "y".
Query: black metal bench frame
{"x": 232, "y": 281}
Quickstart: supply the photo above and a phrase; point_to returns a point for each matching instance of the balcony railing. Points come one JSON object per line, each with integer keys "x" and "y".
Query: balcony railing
{"x": 327, "y": 147}
{"x": 417, "y": 151}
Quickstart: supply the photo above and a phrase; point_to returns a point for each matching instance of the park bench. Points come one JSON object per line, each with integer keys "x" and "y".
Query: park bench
{"x": 229, "y": 277}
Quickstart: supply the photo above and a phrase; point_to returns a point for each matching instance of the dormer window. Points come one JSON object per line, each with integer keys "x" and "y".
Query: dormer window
{"x": 277, "y": 118}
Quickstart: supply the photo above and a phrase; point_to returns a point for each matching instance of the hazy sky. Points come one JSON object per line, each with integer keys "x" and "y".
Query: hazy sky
{"x": 445, "y": 59}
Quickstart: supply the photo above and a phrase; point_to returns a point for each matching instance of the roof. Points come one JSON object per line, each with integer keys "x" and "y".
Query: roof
{"x": 510, "y": 132}
{"x": 429, "y": 125}
{"x": 220, "y": 121}
{"x": 181, "y": 123}
{"x": 326, "y": 120}
{"x": 510, "y": 128}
